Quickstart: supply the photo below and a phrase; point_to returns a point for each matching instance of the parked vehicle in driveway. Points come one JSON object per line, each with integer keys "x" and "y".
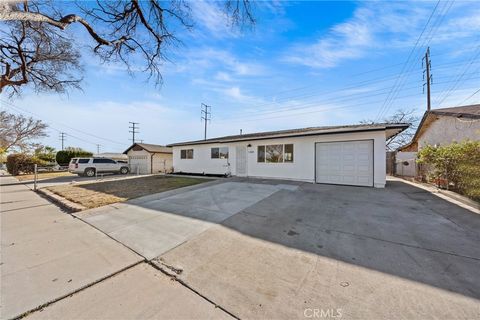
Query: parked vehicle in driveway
{"x": 90, "y": 166}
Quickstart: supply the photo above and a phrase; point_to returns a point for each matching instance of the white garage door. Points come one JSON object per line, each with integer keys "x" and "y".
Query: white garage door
{"x": 139, "y": 164}
{"x": 349, "y": 162}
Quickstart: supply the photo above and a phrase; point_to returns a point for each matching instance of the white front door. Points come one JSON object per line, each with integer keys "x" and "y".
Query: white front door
{"x": 241, "y": 161}
{"x": 348, "y": 163}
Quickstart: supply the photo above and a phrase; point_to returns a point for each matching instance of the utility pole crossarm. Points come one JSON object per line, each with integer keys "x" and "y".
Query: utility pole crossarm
{"x": 428, "y": 77}
{"x": 62, "y": 138}
{"x": 134, "y": 127}
{"x": 206, "y": 116}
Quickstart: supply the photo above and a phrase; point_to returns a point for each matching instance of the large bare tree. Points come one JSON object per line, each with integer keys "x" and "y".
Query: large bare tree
{"x": 19, "y": 132}
{"x": 404, "y": 137}
{"x": 36, "y": 49}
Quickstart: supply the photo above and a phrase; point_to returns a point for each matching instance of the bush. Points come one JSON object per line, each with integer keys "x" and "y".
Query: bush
{"x": 22, "y": 163}
{"x": 455, "y": 166}
{"x": 63, "y": 157}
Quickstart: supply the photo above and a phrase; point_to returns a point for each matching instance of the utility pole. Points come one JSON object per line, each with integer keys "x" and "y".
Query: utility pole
{"x": 98, "y": 149}
{"x": 427, "y": 77}
{"x": 62, "y": 138}
{"x": 206, "y": 116}
{"x": 134, "y": 127}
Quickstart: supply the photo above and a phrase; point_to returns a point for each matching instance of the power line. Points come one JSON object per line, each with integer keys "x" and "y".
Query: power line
{"x": 459, "y": 77}
{"x": 344, "y": 98}
{"x": 469, "y": 97}
{"x": 51, "y": 127}
{"x": 62, "y": 124}
{"x": 425, "y": 43}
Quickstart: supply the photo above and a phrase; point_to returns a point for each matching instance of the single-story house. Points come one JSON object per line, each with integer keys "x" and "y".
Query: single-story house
{"x": 439, "y": 127}
{"x": 348, "y": 155}
{"x": 147, "y": 158}
{"x": 446, "y": 125}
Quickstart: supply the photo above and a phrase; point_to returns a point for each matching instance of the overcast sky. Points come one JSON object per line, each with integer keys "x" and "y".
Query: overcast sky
{"x": 304, "y": 64}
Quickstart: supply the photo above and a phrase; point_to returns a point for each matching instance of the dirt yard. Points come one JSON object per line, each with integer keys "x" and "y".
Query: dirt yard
{"x": 44, "y": 175}
{"x": 92, "y": 195}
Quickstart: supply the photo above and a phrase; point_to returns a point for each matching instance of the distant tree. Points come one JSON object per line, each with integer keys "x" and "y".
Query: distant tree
{"x": 35, "y": 48}
{"x": 45, "y": 153}
{"x": 403, "y": 138}
{"x": 63, "y": 157}
{"x": 19, "y": 132}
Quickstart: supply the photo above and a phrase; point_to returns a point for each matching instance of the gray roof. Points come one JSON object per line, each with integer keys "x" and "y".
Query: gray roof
{"x": 471, "y": 111}
{"x": 392, "y": 128}
{"x": 153, "y": 148}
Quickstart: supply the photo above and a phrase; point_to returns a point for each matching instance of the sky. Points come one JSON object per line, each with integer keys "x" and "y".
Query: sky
{"x": 303, "y": 64}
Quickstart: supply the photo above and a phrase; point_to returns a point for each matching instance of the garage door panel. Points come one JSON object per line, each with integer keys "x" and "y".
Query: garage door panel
{"x": 349, "y": 163}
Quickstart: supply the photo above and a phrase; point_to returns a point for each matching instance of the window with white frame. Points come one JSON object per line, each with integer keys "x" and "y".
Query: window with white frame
{"x": 186, "y": 154}
{"x": 219, "y": 153}
{"x": 275, "y": 153}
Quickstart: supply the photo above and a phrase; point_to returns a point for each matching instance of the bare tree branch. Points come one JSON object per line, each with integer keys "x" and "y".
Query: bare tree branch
{"x": 403, "y": 138}
{"x": 17, "y": 131}
{"x": 129, "y": 31}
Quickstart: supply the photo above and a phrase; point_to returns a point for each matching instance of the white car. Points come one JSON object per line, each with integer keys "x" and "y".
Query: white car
{"x": 91, "y": 166}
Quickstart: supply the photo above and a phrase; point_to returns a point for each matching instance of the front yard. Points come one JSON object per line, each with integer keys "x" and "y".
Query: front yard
{"x": 92, "y": 195}
{"x": 44, "y": 175}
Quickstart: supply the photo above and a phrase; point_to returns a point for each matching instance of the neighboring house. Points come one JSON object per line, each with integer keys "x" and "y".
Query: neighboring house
{"x": 439, "y": 127}
{"x": 446, "y": 125}
{"x": 349, "y": 155}
{"x": 147, "y": 158}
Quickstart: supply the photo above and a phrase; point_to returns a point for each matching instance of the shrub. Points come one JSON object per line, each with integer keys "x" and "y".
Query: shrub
{"x": 22, "y": 163}
{"x": 456, "y": 165}
{"x": 63, "y": 157}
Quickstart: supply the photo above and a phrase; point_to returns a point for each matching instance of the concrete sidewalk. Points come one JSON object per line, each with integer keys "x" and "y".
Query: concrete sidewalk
{"x": 47, "y": 254}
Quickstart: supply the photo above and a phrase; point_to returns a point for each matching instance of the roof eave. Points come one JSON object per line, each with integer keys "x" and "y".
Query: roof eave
{"x": 213, "y": 141}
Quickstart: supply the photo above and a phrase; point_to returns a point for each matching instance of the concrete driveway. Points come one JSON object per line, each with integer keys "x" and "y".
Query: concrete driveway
{"x": 269, "y": 249}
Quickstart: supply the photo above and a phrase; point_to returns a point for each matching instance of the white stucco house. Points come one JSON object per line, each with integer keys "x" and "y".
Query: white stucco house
{"x": 439, "y": 127}
{"x": 348, "y": 155}
{"x": 144, "y": 158}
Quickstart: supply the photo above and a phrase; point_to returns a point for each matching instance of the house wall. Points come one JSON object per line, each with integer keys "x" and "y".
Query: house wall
{"x": 162, "y": 162}
{"x": 135, "y": 163}
{"x": 147, "y": 166}
{"x": 302, "y": 168}
{"x": 446, "y": 130}
{"x": 202, "y": 162}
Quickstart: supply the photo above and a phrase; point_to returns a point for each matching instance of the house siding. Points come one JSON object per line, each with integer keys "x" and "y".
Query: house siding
{"x": 302, "y": 168}
{"x": 156, "y": 166}
{"x": 446, "y": 130}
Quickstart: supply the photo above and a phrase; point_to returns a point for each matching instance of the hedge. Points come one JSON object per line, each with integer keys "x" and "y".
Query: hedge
{"x": 22, "y": 163}
{"x": 63, "y": 157}
{"x": 455, "y": 166}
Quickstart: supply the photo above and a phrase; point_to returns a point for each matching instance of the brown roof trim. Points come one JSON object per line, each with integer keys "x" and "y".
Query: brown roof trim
{"x": 253, "y": 138}
{"x": 145, "y": 147}
{"x": 455, "y": 114}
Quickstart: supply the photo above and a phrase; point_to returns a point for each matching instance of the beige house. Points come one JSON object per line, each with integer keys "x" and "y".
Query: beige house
{"x": 446, "y": 125}
{"x": 144, "y": 158}
{"x": 439, "y": 127}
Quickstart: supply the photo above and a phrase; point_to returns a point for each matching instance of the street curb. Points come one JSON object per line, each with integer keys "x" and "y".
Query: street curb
{"x": 63, "y": 203}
